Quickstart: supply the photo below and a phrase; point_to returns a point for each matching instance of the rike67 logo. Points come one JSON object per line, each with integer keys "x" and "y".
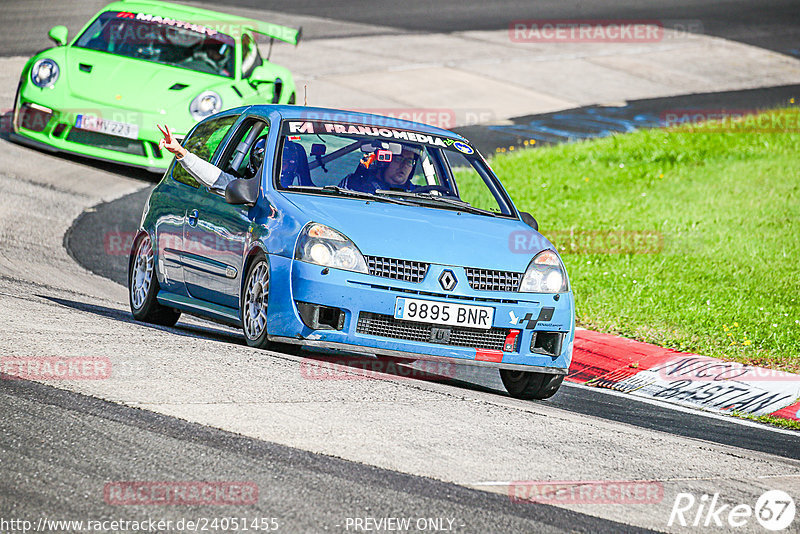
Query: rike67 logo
{"x": 774, "y": 510}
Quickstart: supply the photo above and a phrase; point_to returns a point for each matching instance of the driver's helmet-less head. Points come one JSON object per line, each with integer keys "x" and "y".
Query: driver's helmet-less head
{"x": 257, "y": 155}
{"x": 400, "y": 169}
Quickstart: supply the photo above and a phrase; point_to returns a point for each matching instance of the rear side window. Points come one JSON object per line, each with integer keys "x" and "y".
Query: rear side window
{"x": 203, "y": 143}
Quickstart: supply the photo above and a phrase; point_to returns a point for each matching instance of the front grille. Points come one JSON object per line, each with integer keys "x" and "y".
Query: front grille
{"x": 406, "y": 270}
{"x": 109, "y": 142}
{"x": 375, "y": 324}
{"x": 488, "y": 280}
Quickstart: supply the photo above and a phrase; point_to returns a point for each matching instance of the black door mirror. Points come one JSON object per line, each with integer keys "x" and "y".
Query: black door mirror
{"x": 528, "y": 219}
{"x": 242, "y": 192}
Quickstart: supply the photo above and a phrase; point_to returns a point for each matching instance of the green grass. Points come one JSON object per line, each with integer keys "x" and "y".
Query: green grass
{"x": 726, "y": 205}
{"x": 770, "y": 420}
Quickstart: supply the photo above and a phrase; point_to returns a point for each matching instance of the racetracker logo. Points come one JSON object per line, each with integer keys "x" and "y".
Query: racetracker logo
{"x": 6, "y": 120}
{"x": 445, "y": 118}
{"x": 120, "y": 243}
{"x": 588, "y": 241}
{"x": 356, "y": 369}
{"x": 731, "y": 120}
{"x": 587, "y": 492}
{"x": 180, "y": 493}
{"x": 600, "y": 31}
{"x": 54, "y": 368}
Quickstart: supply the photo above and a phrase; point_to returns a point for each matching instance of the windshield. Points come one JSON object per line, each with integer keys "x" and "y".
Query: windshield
{"x": 161, "y": 40}
{"x": 388, "y": 163}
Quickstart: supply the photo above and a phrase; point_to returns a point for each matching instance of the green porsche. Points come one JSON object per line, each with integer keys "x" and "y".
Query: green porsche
{"x": 138, "y": 63}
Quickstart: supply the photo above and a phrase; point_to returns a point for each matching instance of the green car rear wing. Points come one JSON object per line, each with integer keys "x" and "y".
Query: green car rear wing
{"x": 274, "y": 31}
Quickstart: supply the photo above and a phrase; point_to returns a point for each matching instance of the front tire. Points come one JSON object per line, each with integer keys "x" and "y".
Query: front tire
{"x": 253, "y": 302}
{"x": 528, "y": 386}
{"x": 143, "y": 286}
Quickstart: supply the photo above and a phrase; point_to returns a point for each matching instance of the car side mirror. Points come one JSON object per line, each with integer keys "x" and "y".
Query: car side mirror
{"x": 242, "y": 191}
{"x": 261, "y": 75}
{"x": 528, "y": 219}
{"x": 58, "y": 34}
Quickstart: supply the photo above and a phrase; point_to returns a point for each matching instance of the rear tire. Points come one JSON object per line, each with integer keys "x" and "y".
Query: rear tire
{"x": 143, "y": 286}
{"x": 253, "y": 302}
{"x": 528, "y": 386}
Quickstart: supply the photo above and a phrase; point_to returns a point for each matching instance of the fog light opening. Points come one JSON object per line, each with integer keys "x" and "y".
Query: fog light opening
{"x": 548, "y": 343}
{"x": 318, "y": 317}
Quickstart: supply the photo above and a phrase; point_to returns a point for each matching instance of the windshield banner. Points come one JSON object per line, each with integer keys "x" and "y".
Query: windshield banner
{"x": 315, "y": 127}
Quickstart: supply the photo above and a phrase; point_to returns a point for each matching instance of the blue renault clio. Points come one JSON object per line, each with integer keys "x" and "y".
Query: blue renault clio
{"x": 360, "y": 234}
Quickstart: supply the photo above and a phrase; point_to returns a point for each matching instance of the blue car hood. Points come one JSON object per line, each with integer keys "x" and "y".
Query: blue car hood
{"x": 425, "y": 234}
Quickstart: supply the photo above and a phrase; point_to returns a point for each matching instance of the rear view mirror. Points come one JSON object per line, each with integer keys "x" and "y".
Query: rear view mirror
{"x": 318, "y": 149}
{"x": 58, "y": 34}
{"x": 528, "y": 219}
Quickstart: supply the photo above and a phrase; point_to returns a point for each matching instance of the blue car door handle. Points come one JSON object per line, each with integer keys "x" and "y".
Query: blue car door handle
{"x": 193, "y": 215}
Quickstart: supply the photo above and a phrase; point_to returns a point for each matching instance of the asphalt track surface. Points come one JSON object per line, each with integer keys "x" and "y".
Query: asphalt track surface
{"x": 86, "y": 442}
{"x": 88, "y": 243}
{"x": 599, "y": 121}
{"x": 771, "y": 24}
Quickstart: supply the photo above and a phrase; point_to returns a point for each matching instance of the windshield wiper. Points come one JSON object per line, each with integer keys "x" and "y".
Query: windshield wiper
{"x": 346, "y": 193}
{"x": 456, "y": 202}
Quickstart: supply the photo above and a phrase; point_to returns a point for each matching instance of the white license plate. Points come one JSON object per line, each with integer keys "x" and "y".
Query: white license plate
{"x": 446, "y": 313}
{"x": 106, "y": 126}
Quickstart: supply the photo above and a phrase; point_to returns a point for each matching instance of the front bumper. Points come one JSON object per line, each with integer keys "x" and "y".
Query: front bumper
{"x": 55, "y": 131}
{"x": 362, "y": 297}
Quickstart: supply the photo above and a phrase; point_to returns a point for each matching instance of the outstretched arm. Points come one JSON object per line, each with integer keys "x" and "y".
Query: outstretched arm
{"x": 201, "y": 170}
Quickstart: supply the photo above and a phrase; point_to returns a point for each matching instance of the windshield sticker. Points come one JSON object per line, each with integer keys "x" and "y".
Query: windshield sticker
{"x": 360, "y": 129}
{"x": 156, "y": 19}
{"x": 463, "y": 147}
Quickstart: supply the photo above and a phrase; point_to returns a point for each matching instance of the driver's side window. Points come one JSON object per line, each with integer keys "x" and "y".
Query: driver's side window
{"x": 237, "y": 157}
{"x": 203, "y": 143}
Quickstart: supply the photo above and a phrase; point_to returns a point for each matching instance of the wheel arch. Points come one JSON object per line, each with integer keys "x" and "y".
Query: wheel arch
{"x": 255, "y": 248}
{"x": 131, "y": 253}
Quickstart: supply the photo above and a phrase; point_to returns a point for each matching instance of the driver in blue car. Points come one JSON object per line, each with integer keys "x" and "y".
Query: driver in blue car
{"x": 203, "y": 171}
{"x": 375, "y": 173}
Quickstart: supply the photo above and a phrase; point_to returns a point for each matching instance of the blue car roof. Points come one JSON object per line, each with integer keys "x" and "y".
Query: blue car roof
{"x": 341, "y": 115}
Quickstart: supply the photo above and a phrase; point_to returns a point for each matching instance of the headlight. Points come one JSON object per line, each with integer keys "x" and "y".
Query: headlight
{"x": 205, "y": 104}
{"x": 325, "y": 246}
{"x": 545, "y": 274}
{"x": 44, "y": 73}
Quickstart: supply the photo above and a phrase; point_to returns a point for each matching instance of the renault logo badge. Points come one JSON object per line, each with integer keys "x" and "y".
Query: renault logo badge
{"x": 447, "y": 280}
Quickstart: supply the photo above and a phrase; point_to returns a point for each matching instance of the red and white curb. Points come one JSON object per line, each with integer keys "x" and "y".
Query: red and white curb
{"x": 645, "y": 370}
